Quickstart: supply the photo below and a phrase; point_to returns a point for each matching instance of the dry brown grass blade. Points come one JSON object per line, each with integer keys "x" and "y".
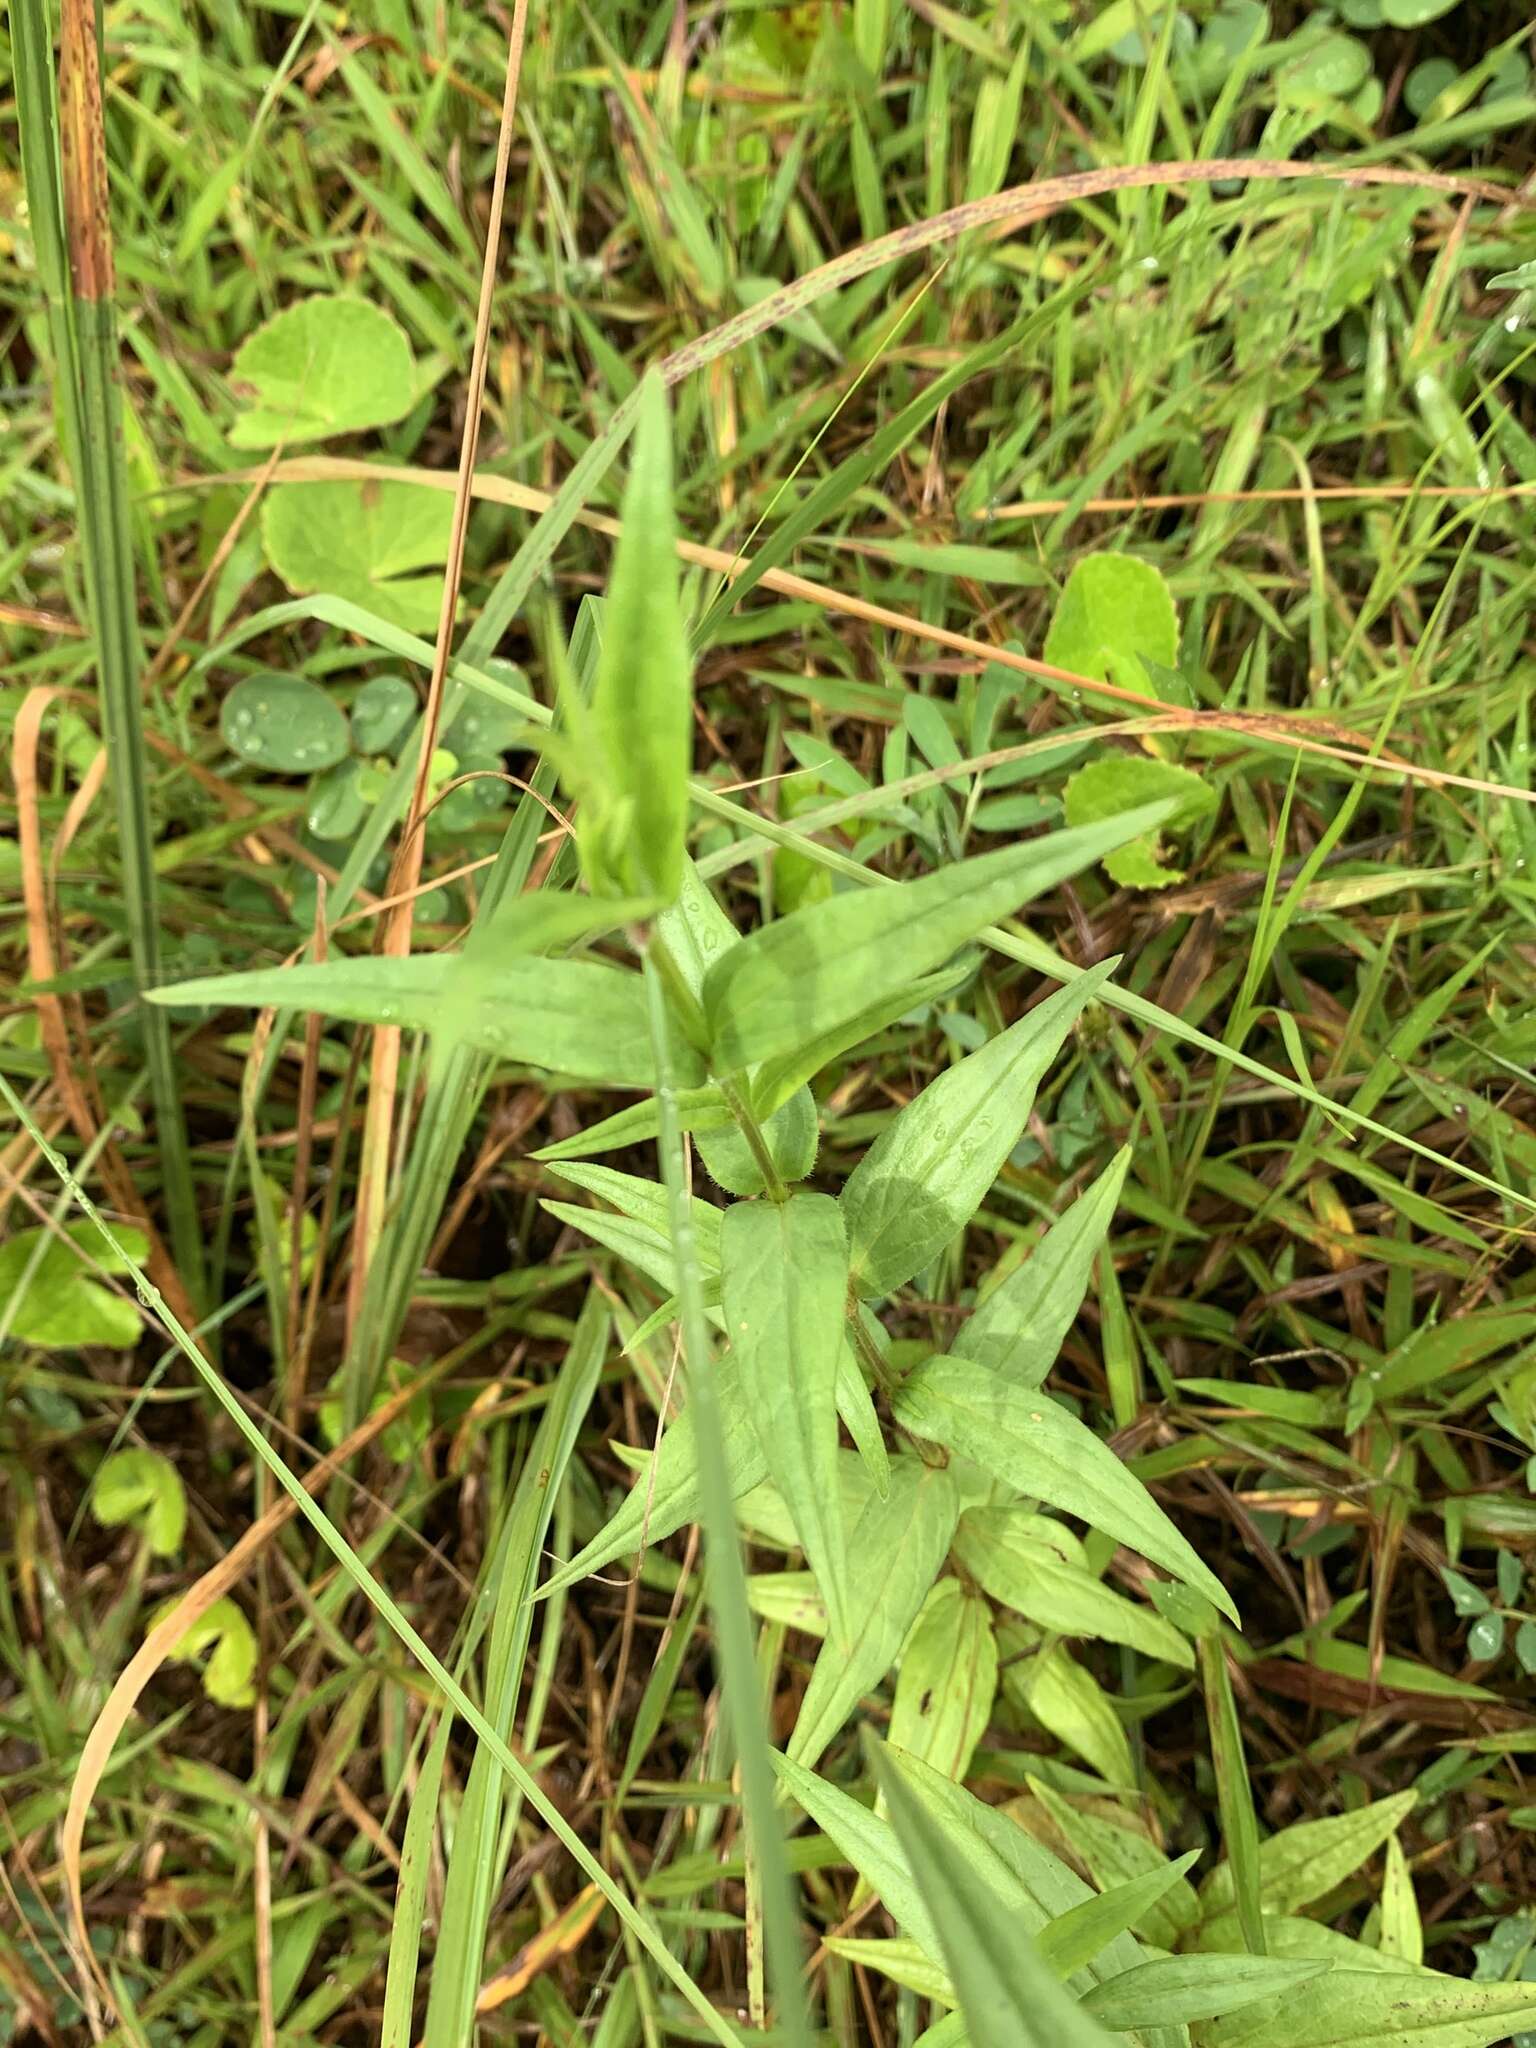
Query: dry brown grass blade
{"x": 1287, "y": 729}
{"x": 82, "y": 1104}
{"x": 562, "y": 1937}
{"x": 163, "y": 1638}
{"x": 395, "y": 943}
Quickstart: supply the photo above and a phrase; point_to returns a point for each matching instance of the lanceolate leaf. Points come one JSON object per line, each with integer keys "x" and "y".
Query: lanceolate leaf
{"x": 1019, "y": 1326}
{"x": 948, "y": 1679}
{"x": 645, "y": 1202}
{"x": 1111, "y": 1854}
{"x": 641, "y": 700}
{"x": 1171, "y": 1989}
{"x": 1023, "y": 1438}
{"x": 1370, "y": 2009}
{"x": 573, "y": 1017}
{"x": 784, "y": 1281}
{"x": 1068, "y": 1700}
{"x": 927, "y": 1173}
{"x": 811, "y": 971}
{"x": 894, "y": 1553}
{"x": 1023, "y": 1560}
{"x": 666, "y": 1495}
{"x": 1078, "y": 1936}
{"x": 870, "y": 1844}
{"x": 1033, "y": 1885}
{"x": 1305, "y": 1862}
{"x": 1008, "y": 1993}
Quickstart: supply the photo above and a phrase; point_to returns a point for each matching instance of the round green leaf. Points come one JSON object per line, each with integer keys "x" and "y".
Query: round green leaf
{"x": 1512, "y": 78}
{"x": 359, "y": 541}
{"x": 1427, "y": 81}
{"x": 1117, "y": 783}
{"x": 1135, "y": 47}
{"x": 1114, "y": 610}
{"x": 1465, "y": 1597}
{"x": 283, "y": 723}
{"x": 324, "y": 366}
{"x": 467, "y": 806}
{"x": 1361, "y": 13}
{"x": 1413, "y": 13}
{"x": 1332, "y": 67}
{"x": 1234, "y": 27}
{"x": 1485, "y": 1638}
{"x": 382, "y": 712}
{"x": 1525, "y": 1647}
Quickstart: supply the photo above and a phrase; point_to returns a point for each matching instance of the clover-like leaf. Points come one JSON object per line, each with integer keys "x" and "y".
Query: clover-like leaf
{"x": 284, "y": 723}
{"x": 322, "y": 367}
{"x": 64, "y": 1305}
{"x": 1331, "y": 67}
{"x": 381, "y": 712}
{"x": 141, "y": 1486}
{"x": 360, "y": 541}
{"x": 1117, "y": 783}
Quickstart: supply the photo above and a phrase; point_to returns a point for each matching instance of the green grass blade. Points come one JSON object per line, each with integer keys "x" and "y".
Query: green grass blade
{"x": 474, "y": 1868}
{"x": 379, "y": 1598}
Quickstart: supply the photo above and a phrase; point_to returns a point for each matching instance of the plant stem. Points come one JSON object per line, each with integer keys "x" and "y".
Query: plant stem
{"x": 68, "y": 193}
{"x": 691, "y": 1015}
{"x": 725, "y": 1576}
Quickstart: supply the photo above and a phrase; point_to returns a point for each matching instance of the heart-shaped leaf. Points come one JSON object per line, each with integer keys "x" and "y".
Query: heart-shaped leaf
{"x": 142, "y": 1487}
{"x": 64, "y": 1304}
{"x": 360, "y": 541}
{"x": 229, "y": 1672}
{"x": 324, "y": 366}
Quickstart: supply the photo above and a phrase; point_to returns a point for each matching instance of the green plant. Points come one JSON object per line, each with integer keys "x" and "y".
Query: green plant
{"x": 1297, "y": 1313}
{"x": 50, "y": 1295}
{"x": 144, "y": 1488}
{"x": 946, "y": 1505}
